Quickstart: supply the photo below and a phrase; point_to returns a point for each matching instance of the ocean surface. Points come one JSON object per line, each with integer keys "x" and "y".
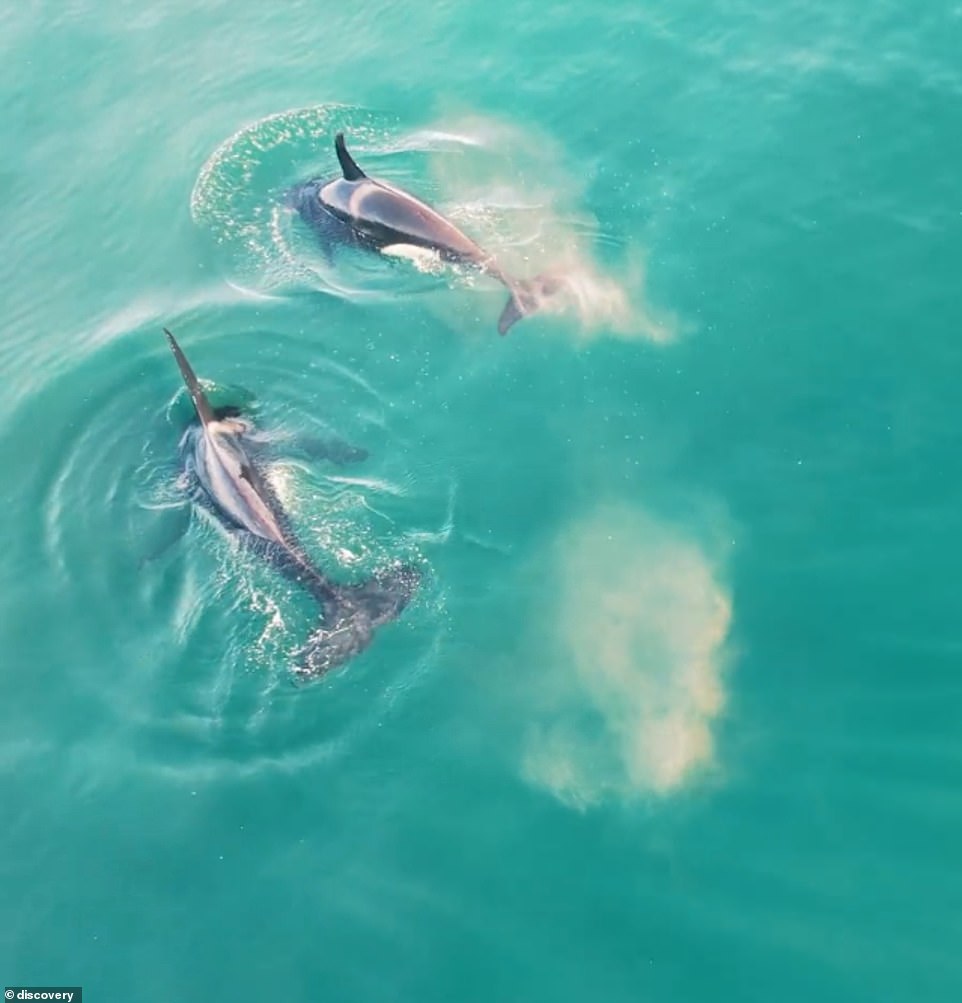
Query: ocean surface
{"x": 676, "y": 713}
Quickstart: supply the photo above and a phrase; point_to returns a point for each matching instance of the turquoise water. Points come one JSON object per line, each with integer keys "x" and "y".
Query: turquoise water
{"x": 676, "y": 714}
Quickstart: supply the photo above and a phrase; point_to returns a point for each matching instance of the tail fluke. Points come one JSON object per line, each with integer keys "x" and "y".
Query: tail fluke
{"x": 527, "y": 297}
{"x": 351, "y": 619}
{"x": 204, "y": 411}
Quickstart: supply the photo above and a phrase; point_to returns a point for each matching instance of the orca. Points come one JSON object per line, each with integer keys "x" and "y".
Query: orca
{"x": 369, "y": 213}
{"x": 223, "y": 475}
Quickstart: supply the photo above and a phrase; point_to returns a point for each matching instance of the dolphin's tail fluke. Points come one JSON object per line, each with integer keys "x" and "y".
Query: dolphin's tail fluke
{"x": 352, "y": 614}
{"x": 204, "y": 411}
{"x": 527, "y": 297}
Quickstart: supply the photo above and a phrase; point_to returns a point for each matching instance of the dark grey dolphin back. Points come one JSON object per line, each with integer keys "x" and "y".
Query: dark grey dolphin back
{"x": 391, "y": 216}
{"x": 411, "y": 221}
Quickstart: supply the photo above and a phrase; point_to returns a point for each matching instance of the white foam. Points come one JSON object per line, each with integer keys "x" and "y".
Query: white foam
{"x": 423, "y": 258}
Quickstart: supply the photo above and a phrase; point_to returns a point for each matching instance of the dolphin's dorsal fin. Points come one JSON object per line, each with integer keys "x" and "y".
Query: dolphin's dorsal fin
{"x": 351, "y": 171}
{"x": 202, "y": 405}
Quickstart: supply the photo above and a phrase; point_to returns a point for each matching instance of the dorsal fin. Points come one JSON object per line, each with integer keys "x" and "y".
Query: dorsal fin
{"x": 202, "y": 405}
{"x": 351, "y": 171}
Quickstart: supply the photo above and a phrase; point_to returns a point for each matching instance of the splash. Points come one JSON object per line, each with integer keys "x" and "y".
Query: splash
{"x": 641, "y": 622}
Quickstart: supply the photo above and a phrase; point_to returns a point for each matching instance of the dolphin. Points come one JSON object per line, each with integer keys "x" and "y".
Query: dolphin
{"x": 225, "y": 479}
{"x": 369, "y": 213}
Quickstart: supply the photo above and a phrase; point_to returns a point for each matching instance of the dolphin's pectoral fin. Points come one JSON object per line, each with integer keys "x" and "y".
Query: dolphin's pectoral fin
{"x": 331, "y": 448}
{"x": 173, "y": 528}
{"x": 333, "y": 234}
{"x": 329, "y": 233}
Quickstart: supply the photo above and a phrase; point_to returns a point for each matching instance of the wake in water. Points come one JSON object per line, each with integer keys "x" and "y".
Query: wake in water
{"x": 508, "y": 187}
